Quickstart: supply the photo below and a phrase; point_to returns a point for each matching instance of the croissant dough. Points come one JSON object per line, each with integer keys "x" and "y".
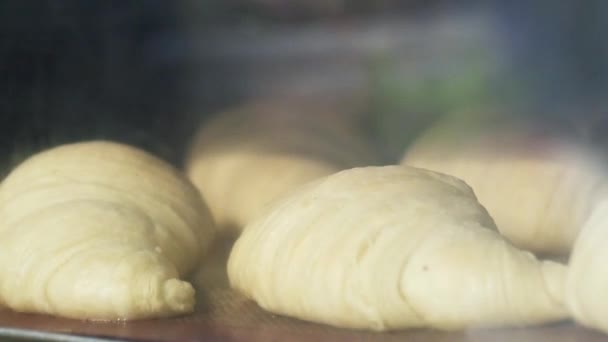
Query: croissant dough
{"x": 246, "y": 158}
{"x": 102, "y": 231}
{"x": 538, "y": 188}
{"x": 587, "y": 281}
{"x": 389, "y": 248}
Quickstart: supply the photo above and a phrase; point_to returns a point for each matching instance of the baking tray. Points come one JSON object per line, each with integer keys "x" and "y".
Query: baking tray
{"x": 224, "y": 315}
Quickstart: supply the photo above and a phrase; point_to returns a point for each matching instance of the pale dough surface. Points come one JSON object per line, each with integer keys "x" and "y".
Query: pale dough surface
{"x": 389, "y": 248}
{"x": 100, "y": 230}
{"x": 539, "y": 189}
{"x": 587, "y": 282}
{"x": 247, "y": 157}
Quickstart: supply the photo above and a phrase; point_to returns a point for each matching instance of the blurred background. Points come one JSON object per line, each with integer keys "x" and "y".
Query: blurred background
{"x": 148, "y": 72}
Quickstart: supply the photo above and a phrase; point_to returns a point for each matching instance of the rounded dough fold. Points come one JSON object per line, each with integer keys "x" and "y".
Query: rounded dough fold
{"x": 390, "y": 248}
{"x": 101, "y": 231}
{"x": 538, "y": 187}
{"x": 245, "y": 158}
{"x": 586, "y": 295}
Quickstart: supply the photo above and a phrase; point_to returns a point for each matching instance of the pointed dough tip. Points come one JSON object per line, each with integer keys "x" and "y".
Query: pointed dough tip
{"x": 179, "y": 295}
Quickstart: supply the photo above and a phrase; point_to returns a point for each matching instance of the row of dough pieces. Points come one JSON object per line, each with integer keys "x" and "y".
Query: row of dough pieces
{"x": 104, "y": 231}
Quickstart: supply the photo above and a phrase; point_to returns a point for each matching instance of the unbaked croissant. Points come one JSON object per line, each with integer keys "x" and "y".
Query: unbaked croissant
{"x": 101, "y": 231}
{"x": 539, "y": 187}
{"x": 246, "y": 158}
{"x": 391, "y": 247}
